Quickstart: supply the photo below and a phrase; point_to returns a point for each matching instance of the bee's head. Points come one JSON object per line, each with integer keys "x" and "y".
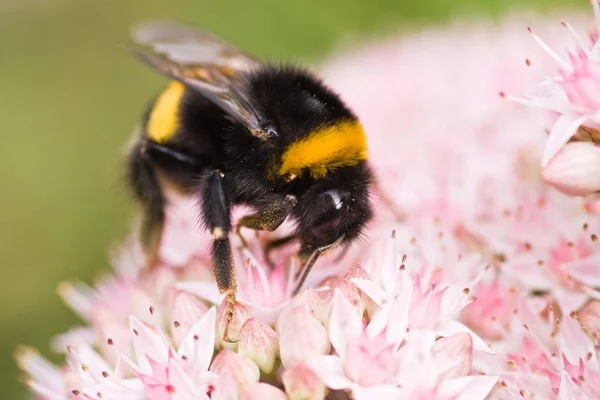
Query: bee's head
{"x": 337, "y": 205}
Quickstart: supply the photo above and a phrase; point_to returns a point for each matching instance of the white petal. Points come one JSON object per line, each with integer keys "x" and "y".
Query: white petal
{"x": 345, "y": 323}
{"x": 449, "y": 328}
{"x": 371, "y": 289}
{"x": 125, "y": 389}
{"x": 564, "y": 128}
{"x": 376, "y": 392}
{"x": 331, "y": 371}
{"x": 199, "y": 343}
{"x": 147, "y": 342}
{"x": 587, "y": 270}
{"x": 186, "y": 389}
{"x": 595, "y": 53}
{"x": 393, "y": 317}
{"x": 203, "y": 289}
{"x": 569, "y": 390}
{"x": 550, "y": 95}
{"x": 575, "y": 344}
{"x": 47, "y": 394}
{"x": 468, "y": 387}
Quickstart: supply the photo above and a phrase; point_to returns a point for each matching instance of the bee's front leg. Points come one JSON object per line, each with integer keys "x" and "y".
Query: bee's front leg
{"x": 216, "y": 214}
{"x": 268, "y": 218}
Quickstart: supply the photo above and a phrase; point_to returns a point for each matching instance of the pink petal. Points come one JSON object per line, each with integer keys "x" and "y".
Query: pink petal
{"x": 206, "y": 290}
{"x": 187, "y": 310}
{"x": 345, "y": 324}
{"x": 301, "y": 383}
{"x": 45, "y": 377}
{"x": 393, "y": 318}
{"x": 569, "y": 390}
{"x": 301, "y": 336}
{"x": 586, "y": 271}
{"x": 235, "y": 368}
{"x": 125, "y": 389}
{"x": 468, "y": 387}
{"x": 263, "y": 391}
{"x": 199, "y": 344}
{"x": 371, "y": 289}
{"x": 449, "y": 328}
{"x": 330, "y": 370}
{"x": 185, "y": 388}
{"x": 260, "y": 343}
{"x": 575, "y": 344}
{"x": 147, "y": 342}
{"x": 453, "y": 356}
{"x": 574, "y": 169}
{"x": 376, "y": 392}
{"x": 550, "y": 95}
{"x": 564, "y": 128}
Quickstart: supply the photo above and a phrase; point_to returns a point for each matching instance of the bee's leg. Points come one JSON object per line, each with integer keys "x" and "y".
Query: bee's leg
{"x": 267, "y": 218}
{"x": 216, "y": 214}
{"x": 308, "y": 258}
{"x": 144, "y": 181}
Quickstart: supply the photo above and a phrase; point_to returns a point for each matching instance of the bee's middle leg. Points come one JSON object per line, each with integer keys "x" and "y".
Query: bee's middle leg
{"x": 216, "y": 214}
{"x": 267, "y": 218}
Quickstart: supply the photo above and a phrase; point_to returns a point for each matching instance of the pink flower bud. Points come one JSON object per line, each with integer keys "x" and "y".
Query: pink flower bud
{"x": 260, "y": 343}
{"x": 301, "y": 335}
{"x": 371, "y": 361}
{"x": 301, "y": 383}
{"x": 574, "y": 170}
{"x": 589, "y": 316}
{"x": 187, "y": 310}
{"x": 240, "y": 316}
{"x": 263, "y": 391}
{"x": 453, "y": 355}
{"x": 241, "y": 371}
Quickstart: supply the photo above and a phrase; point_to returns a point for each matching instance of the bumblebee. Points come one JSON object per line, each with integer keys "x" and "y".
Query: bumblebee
{"x": 229, "y": 130}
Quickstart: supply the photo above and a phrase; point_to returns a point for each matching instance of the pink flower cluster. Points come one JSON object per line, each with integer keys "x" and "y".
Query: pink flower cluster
{"x": 572, "y": 156}
{"x": 476, "y": 280}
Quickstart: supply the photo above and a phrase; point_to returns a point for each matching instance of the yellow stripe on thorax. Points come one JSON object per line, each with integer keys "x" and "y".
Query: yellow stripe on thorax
{"x": 164, "y": 117}
{"x": 340, "y": 145}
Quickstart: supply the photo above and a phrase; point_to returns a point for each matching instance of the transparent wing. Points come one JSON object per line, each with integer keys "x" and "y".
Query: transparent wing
{"x": 201, "y": 61}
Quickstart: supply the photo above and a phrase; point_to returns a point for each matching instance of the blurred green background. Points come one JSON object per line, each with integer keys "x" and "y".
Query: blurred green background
{"x": 69, "y": 99}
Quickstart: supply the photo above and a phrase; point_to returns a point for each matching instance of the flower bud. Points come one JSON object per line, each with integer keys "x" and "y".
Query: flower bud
{"x": 453, "y": 355}
{"x": 187, "y": 310}
{"x": 589, "y": 317}
{"x": 301, "y": 335}
{"x": 263, "y": 391}
{"x": 240, "y": 316}
{"x": 260, "y": 343}
{"x": 238, "y": 369}
{"x": 574, "y": 170}
{"x": 301, "y": 383}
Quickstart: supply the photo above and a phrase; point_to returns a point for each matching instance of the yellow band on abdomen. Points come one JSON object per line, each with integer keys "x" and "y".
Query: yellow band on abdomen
{"x": 340, "y": 145}
{"x": 163, "y": 121}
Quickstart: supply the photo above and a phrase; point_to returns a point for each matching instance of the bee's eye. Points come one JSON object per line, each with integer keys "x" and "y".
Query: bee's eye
{"x": 332, "y": 218}
{"x": 271, "y": 132}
